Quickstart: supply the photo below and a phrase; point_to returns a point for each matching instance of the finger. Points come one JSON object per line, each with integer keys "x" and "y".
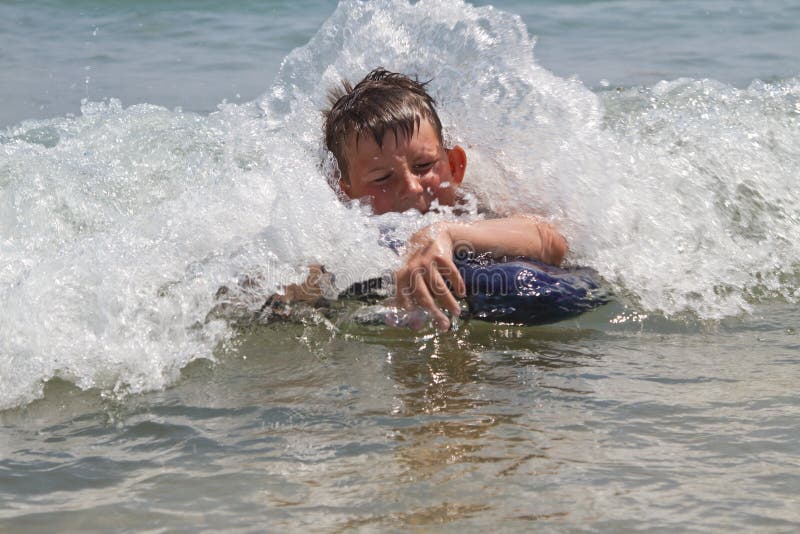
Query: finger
{"x": 443, "y": 294}
{"x": 449, "y": 272}
{"x": 403, "y": 289}
{"x": 425, "y": 301}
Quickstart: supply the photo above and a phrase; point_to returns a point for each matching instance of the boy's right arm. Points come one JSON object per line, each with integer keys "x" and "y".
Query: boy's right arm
{"x": 310, "y": 291}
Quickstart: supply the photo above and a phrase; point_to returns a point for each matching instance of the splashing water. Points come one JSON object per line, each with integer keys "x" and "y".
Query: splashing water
{"x": 118, "y": 226}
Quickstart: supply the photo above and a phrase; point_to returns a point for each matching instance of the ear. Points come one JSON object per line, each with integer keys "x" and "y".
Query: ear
{"x": 458, "y": 163}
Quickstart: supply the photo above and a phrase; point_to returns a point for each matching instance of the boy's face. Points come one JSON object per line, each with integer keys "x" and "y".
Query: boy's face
{"x": 404, "y": 173}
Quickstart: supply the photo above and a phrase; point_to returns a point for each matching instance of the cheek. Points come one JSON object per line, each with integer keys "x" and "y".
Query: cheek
{"x": 446, "y": 195}
{"x": 442, "y": 185}
{"x": 381, "y": 200}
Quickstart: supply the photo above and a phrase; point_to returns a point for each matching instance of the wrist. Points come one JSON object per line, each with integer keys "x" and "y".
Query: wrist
{"x": 460, "y": 237}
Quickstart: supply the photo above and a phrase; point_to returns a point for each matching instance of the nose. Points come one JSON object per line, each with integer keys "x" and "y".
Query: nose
{"x": 411, "y": 184}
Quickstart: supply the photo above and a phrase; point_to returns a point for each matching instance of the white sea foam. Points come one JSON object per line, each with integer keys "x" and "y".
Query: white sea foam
{"x": 119, "y": 225}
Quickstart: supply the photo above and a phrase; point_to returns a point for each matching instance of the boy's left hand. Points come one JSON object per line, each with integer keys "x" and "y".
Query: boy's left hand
{"x": 422, "y": 281}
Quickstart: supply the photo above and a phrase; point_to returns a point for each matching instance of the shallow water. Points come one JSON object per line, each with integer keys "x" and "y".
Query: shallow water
{"x": 127, "y": 402}
{"x": 569, "y": 427}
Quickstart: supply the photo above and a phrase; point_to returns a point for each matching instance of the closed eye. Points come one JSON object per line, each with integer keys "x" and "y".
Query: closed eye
{"x": 424, "y": 166}
{"x": 381, "y": 179}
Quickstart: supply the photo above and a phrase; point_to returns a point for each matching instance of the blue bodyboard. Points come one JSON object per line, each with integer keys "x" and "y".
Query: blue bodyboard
{"x": 526, "y": 291}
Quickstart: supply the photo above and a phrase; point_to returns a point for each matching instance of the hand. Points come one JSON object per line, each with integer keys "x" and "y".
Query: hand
{"x": 311, "y": 290}
{"x": 422, "y": 281}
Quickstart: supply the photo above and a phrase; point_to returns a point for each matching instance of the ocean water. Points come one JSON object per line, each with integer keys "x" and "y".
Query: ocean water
{"x": 153, "y": 152}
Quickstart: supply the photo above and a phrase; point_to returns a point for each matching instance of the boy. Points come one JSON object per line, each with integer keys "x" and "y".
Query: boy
{"x": 387, "y": 140}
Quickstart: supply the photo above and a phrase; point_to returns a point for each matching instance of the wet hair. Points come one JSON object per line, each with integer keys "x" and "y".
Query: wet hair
{"x": 383, "y": 101}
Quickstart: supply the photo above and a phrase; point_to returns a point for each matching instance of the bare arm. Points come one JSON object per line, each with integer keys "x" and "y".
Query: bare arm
{"x": 421, "y": 282}
{"x": 512, "y": 236}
